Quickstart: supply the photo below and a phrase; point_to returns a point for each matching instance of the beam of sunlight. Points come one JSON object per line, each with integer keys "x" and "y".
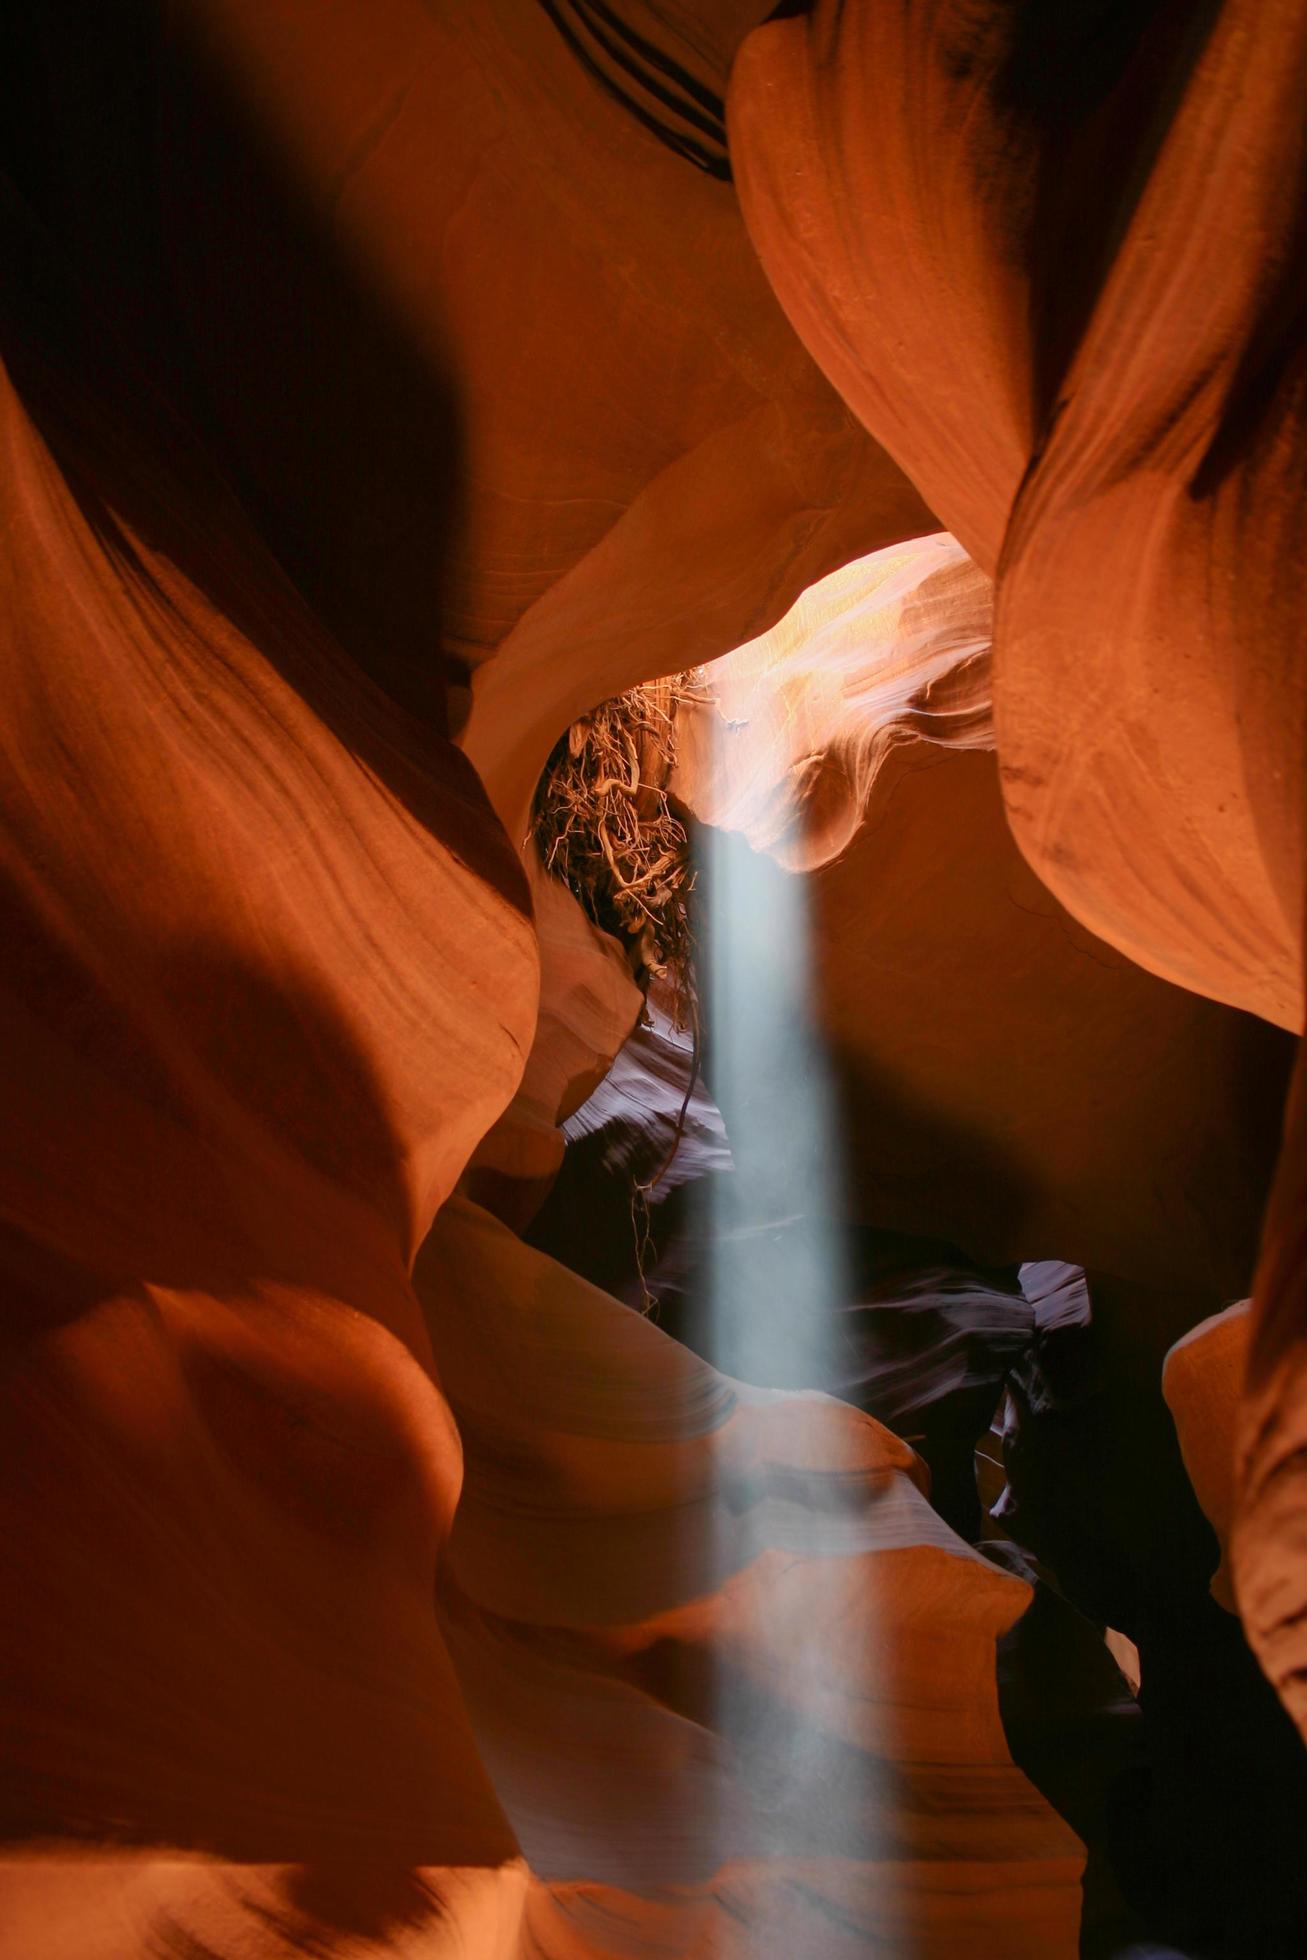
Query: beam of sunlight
{"x": 777, "y": 1280}
{"x": 777, "y": 1268}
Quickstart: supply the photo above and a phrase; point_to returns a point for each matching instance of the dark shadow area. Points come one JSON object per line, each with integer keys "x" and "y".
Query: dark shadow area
{"x": 195, "y": 250}
{"x": 1094, "y": 88}
{"x": 1187, "y": 1799}
{"x": 194, "y": 1116}
{"x": 136, "y": 471}
{"x": 194, "y": 1476}
{"x": 1200, "y": 1821}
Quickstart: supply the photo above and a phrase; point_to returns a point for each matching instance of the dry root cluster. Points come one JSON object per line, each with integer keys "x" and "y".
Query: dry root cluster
{"x": 604, "y": 823}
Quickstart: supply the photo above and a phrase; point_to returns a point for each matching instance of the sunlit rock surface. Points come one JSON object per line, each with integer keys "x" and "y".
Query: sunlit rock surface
{"x": 1052, "y": 260}
{"x": 232, "y": 1115}
{"x": 640, "y": 1542}
{"x": 905, "y": 176}
{"x": 366, "y": 355}
{"x": 1007, "y": 1081}
{"x": 361, "y": 241}
{"x": 270, "y": 976}
{"x": 795, "y": 727}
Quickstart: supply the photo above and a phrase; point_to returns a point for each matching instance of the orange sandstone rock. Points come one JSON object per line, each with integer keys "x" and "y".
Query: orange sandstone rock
{"x": 1008, "y": 1081}
{"x": 1058, "y": 274}
{"x": 1202, "y": 1379}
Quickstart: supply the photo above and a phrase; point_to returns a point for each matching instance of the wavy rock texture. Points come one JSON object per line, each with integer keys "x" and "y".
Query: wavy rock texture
{"x": 921, "y": 1342}
{"x": 637, "y": 1542}
{"x": 449, "y": 237}
{"x": 1154, "y": 561}
{"x": 239, "y": 1461}
{"x": 270, "y": 975}
{"x": 589, "y": 1005}
{"x": 437, "y": 305}
{"x": 651, "y": 1119}
{"x": 1129, "y": 456}
{"x": 920, "y": 1338}
{"x": 797, "y": 724}
{"x": 1008, "y": 1082}
{"x": 877, "y": 179}
{"x": 1151, "y": 746}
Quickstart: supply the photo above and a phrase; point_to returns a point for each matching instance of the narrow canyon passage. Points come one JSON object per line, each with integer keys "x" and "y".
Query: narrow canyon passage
{"x": 652, "y": 1188}
{"x": 1032, "y": 1391}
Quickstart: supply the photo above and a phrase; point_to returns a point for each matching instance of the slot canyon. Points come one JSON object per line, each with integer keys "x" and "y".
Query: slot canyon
{"x": 653, "y": 1190}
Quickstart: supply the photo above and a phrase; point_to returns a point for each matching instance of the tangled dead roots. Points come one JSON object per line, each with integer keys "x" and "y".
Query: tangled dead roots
{"x": 604, "y": 824}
